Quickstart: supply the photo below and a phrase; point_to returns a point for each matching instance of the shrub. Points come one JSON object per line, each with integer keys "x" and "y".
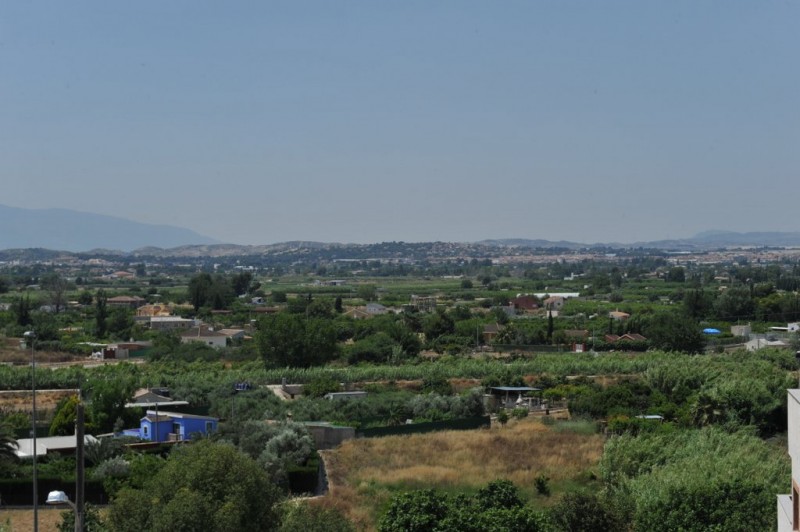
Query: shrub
{"x": 495, "y": 507}
{"x": 307, "y": 517}
{"x": 519, "y": 413}
{"x": 542, "y": 484}
{"x": 321, "y": 385}
{"x": 704, "y": 479}
{"x": 502, "y": 417}
{"x": 585, "y": 512}
{"x": 498, "y": 494}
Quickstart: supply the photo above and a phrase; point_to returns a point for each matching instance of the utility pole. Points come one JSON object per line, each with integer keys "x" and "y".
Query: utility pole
{"x": 79, "y": 466}
{"x": 30, "y": 336}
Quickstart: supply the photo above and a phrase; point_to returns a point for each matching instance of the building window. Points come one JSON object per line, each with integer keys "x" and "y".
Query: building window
{"x": 795, "y": 506}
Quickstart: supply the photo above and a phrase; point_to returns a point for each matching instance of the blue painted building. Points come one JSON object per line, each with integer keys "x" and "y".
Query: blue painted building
{"x": 172, "y": 426}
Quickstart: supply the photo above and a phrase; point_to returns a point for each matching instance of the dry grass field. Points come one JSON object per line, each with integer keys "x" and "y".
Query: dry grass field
{"x": 22, "y": 520}
{"x": 22, "y": 401}
{"x": 365, "y": 473}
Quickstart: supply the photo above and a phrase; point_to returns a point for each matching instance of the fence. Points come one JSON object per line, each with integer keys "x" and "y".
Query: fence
{"x": 19, "y": 491}
{"x": 469, "y": 423}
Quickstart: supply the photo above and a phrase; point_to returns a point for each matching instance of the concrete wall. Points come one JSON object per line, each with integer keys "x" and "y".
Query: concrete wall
{"x": 784, "y": 506}
{"x": 330, "y": 436}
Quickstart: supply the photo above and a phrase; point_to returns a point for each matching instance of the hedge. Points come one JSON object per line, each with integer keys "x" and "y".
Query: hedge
{"x": 19, "y": 491}
{"x": 468, "y": 423}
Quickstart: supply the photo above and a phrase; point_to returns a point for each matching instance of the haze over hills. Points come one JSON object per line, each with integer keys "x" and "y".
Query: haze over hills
{"x": 700, "y": 241}
{"x": 73, "y": 231}
{"x": 68, "y": 230}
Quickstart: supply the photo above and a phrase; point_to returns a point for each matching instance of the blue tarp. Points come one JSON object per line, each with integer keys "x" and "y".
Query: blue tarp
{"x": 711, "y": 331}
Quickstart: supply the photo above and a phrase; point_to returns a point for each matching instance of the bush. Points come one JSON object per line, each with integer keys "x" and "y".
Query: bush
{"x": 320, "y": 386}
{"x": 519, "y": 413}
{"x": 436, "y": 384}
{"x": 498, "y": 494}
{"x": 585, "y": 512}
{"x": 703, "y": 479}
{"x": 290, "y": 446}
{"x": 502, "y": 417}
{"x": 542, "y": 483}
{"x": 495, "y": 507}
{"x": 307, "y": 517}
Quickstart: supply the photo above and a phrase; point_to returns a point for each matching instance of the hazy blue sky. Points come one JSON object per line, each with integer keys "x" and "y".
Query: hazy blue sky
{"x": 259, "y": 122}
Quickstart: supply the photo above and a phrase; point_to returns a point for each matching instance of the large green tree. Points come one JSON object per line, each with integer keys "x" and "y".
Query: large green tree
{"x": 240, "y": 283}
{"x": 21, "y": 308}
{"x": 101, "y": 314}
{"x": 215, "y": 292}
{"x": 8, "y": 445}
{"x": 735, "y": 303}
{"x": 674, "y": 331}
{"x": 199, "y": 289}
{"x": 108, "y": 395}
{"x": 63, "y": 423}
{"x": 437, "y": 324}
{"x": 293, "y": 340}
{"x": 203, "y": 487}
{"x": 120, "y": 323}
{"x": 56, "y": 287}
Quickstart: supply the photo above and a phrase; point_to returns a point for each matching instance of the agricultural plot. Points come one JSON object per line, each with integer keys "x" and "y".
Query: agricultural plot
{"x": 365, "y": 473}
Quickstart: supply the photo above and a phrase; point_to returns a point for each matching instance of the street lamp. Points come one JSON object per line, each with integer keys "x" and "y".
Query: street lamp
{"x": 59, "y": 498}
{"x": 30, "y": 337}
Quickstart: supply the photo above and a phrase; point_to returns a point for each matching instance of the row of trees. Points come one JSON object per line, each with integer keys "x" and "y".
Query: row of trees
{"x": 733, "y": 391}
{"x": 99, "y": 319}
{"x": 743, "y": 303}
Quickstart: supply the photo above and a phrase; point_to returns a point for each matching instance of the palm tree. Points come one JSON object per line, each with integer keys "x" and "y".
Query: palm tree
{"x": 8, "y": 445}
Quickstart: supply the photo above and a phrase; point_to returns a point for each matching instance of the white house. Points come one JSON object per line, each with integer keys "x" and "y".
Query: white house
{"x": 169, "y": 323}
{"x": 761, "y": 343}
{"x": 51, "y": 444}
{"x": 554, "y": 303}
{"x": 345, "y": 396}
{"x": 207, "y": 335}
{"x": 376, "y": 308}
{"x": 741, "y": 330}
{"x": 233, "y": 334}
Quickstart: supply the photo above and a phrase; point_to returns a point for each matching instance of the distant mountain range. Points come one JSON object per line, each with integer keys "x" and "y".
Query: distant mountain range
{"x": 73, "y": 231}
{"x": 67, "y": 230}
{"x": 701, "y": 241}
